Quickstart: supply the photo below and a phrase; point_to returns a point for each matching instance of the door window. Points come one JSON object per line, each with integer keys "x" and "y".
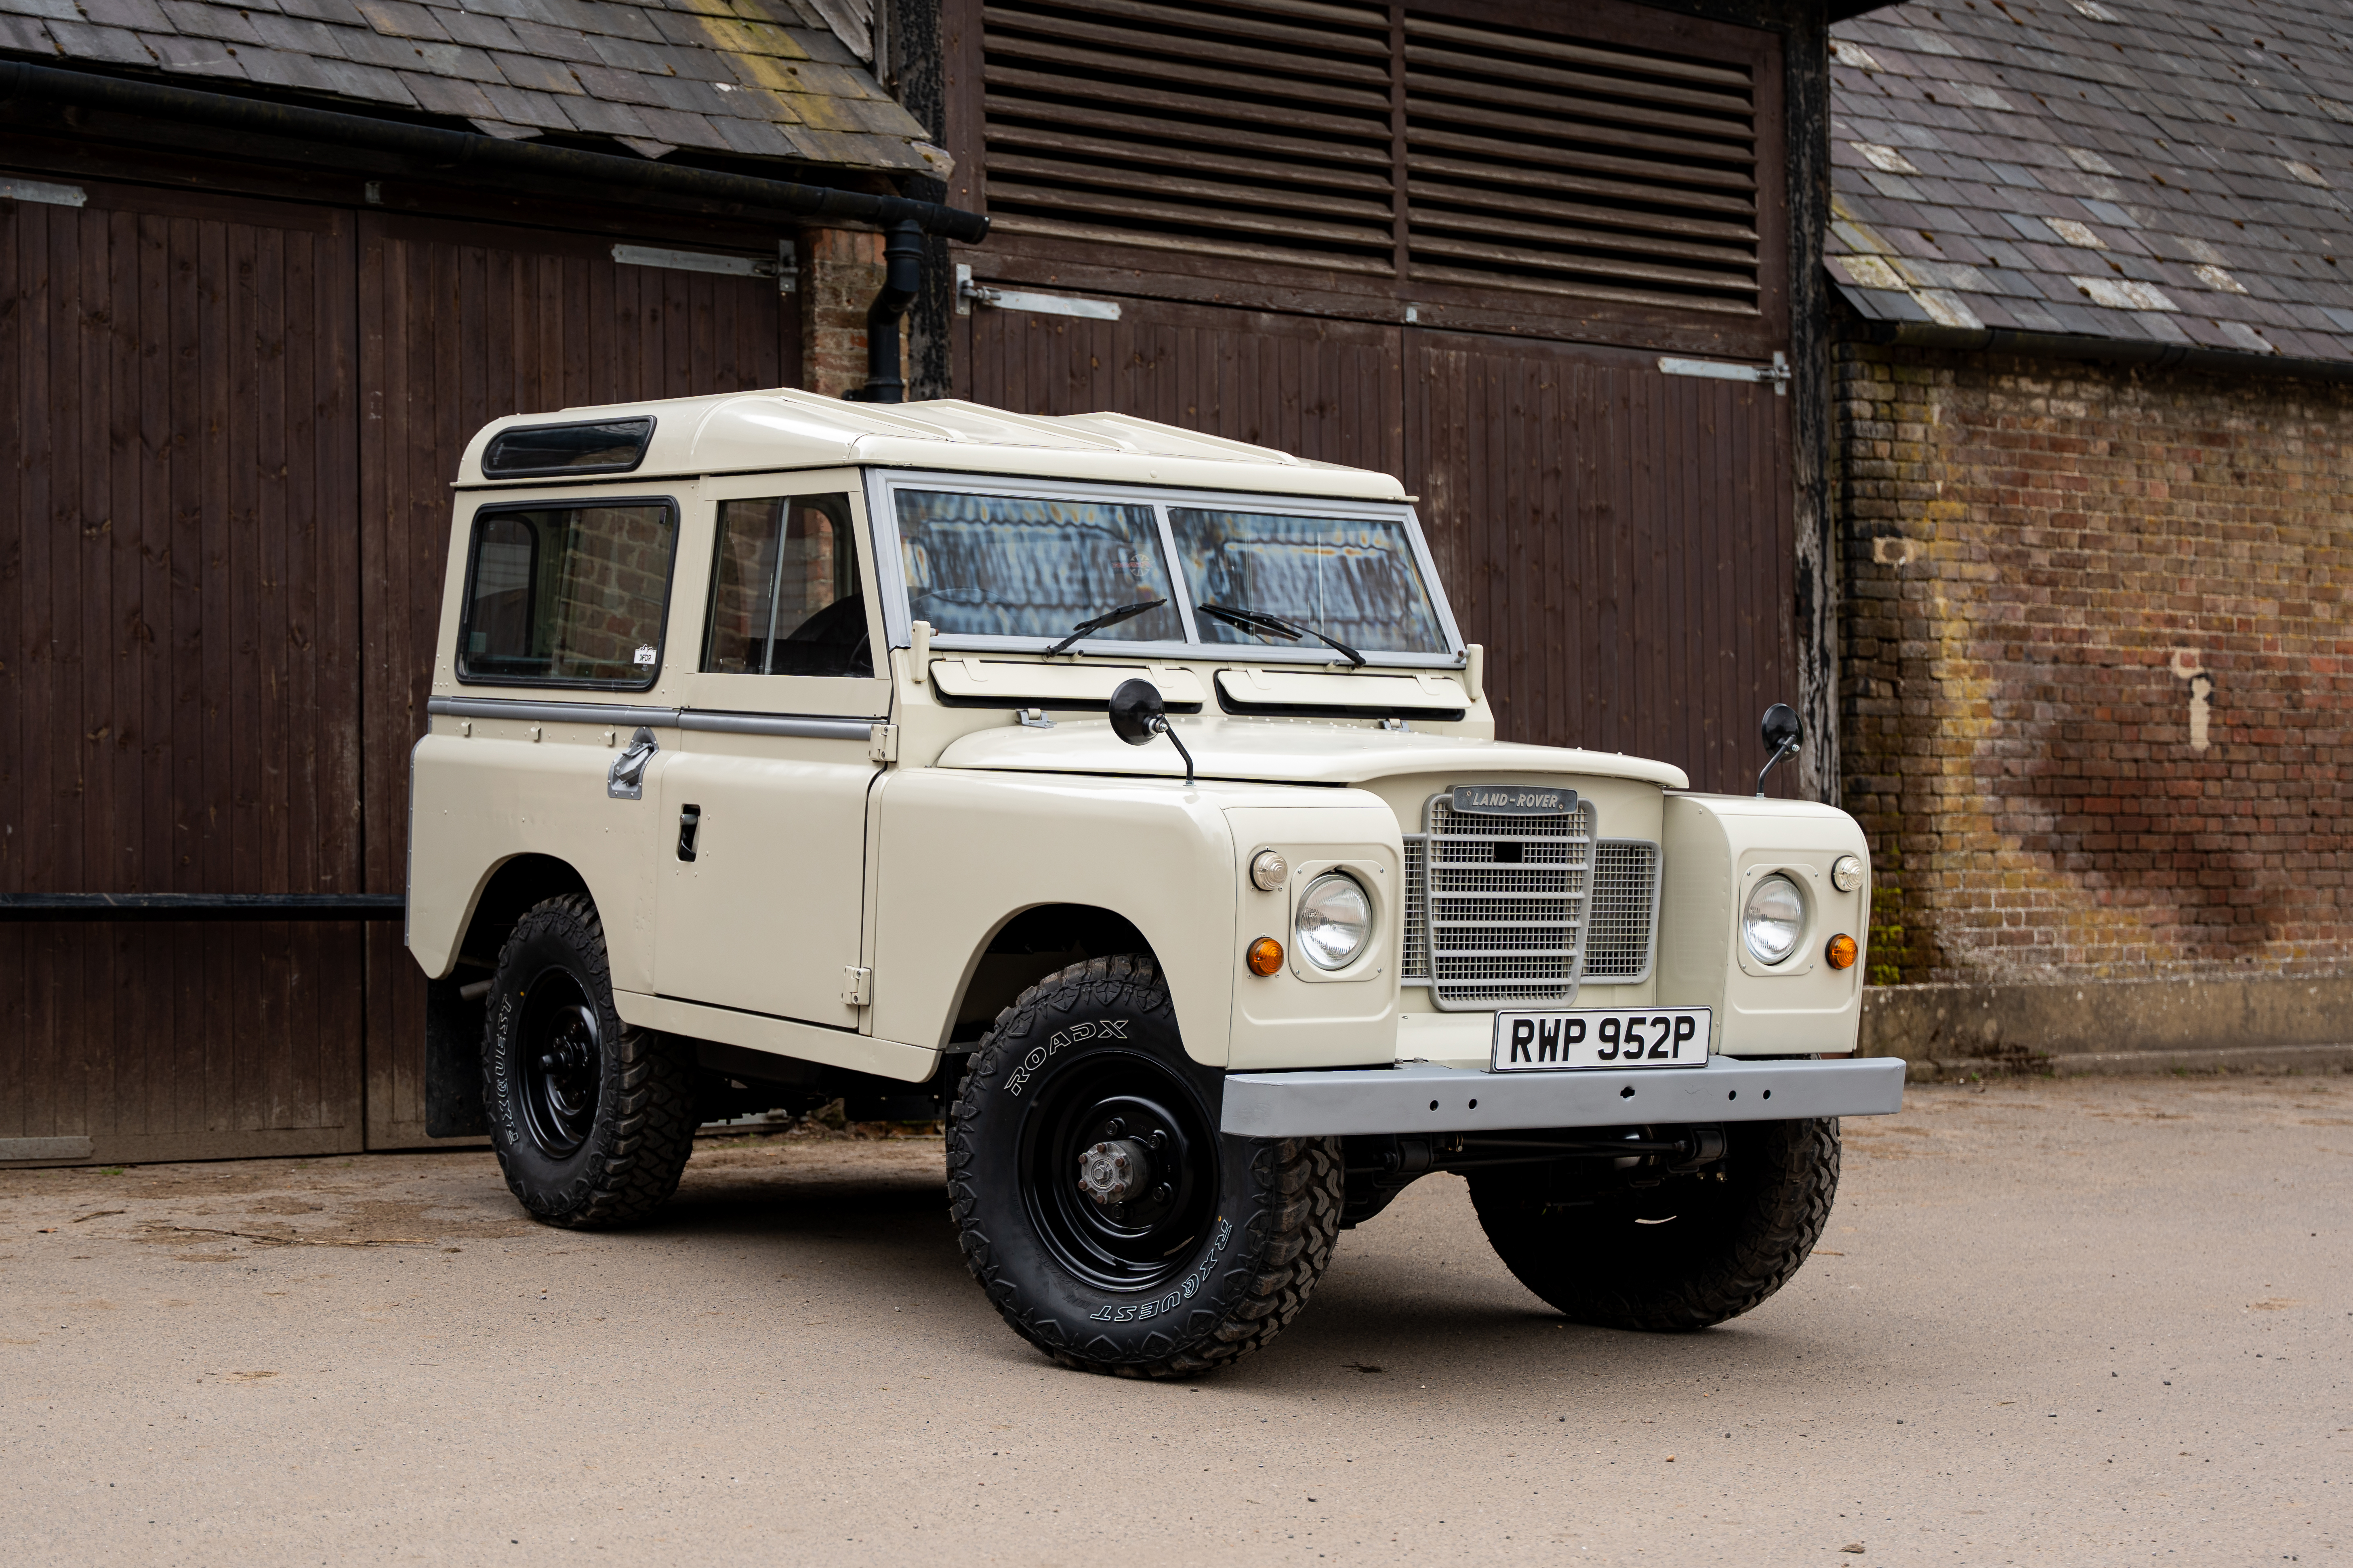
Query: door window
{"x": 568, "y": 596}
{"x": 784, "y": 593}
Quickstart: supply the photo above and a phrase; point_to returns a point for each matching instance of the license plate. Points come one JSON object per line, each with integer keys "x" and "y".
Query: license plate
{"x": 1614, "y": 1037}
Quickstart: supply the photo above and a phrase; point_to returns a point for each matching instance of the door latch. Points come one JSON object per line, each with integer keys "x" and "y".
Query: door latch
{"x": 857, "y": 986}
{"x": 626, "y": 781}
{"x": 690, "y": 823}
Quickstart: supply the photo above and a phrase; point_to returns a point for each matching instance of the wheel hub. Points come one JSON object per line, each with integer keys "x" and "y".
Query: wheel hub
{"x": 1114, "y": 1170}
{"x": 561, "y": 1052}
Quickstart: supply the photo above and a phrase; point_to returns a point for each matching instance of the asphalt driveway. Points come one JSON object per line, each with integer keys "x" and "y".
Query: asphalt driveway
{"x": 2070, "y": 1322}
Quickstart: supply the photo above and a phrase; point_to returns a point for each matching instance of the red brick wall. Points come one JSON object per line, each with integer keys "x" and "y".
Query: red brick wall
{"x": 2051, "y": 568}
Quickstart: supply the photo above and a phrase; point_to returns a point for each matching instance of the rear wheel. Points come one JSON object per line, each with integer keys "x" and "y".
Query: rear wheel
{"x": 1111, "y": 1223}
{"x": 593, "y": 1119}
{"x": 1683, "y": 1253}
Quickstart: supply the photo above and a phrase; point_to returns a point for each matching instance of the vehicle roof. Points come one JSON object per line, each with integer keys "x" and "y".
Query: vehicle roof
{"x": 752, "y": 432}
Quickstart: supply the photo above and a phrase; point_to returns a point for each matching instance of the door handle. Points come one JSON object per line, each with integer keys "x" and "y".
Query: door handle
{"x": 690, "y": 823}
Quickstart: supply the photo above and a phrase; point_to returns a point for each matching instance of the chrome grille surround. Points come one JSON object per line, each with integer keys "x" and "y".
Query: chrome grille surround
{"x": 1497, "y": 931}
{"x": 1623, "y": 933}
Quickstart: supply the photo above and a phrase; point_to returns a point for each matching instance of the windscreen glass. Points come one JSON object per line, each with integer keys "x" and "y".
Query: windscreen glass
{"x": 568, "y": 594}
{"x": 1002, "y": 566}
{"x": 785, "y": 595}
{"x": 1349, "y": 578}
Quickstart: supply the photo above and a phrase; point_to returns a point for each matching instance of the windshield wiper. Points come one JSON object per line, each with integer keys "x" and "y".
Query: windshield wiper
{"x": 1260, "y": 621}
{"x": 1108, "y": 618}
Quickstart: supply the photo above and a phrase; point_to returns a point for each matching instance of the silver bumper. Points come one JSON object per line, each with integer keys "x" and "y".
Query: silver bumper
{"x": 1418, "y": 1097}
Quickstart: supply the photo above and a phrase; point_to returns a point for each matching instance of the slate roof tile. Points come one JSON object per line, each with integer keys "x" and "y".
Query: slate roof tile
{"x": 2053, "y": 143}
{"x": 650, "y": 73}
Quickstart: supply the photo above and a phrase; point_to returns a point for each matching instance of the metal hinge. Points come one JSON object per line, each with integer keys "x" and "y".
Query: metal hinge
{"x": 882, "y": 744}
{"x": 1778, "y": 372}
{"x": 857, "y": 986}
{"x": 785, "y": 269}
{"x": 969, "y": 293}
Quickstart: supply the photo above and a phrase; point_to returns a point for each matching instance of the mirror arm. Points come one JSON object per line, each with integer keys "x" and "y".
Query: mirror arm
{"x": 1788, "y": 748}
{"x": 1161, "y": 726}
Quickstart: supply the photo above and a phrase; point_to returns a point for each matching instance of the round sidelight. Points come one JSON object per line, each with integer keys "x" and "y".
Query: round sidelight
{"x": 1846, "y": 873}
{"x": 1335, "y": 921}
{"x": 1268, "y": 870}
{"x": 1774, "y": 919}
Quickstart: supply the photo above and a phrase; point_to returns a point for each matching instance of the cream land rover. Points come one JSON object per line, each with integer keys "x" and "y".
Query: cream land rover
{"x": 1130, "y": 794}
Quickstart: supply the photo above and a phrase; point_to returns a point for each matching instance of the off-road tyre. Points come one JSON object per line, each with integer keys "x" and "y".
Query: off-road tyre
{"x": 1730, "y": 1243}
{"x": 1243, "y": 1257}
{"x": 633, "y": 1138}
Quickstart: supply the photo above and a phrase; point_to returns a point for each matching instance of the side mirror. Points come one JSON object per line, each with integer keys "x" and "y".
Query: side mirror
{"x": 1138, "y": 715}
{"x": 1782, "y": 734}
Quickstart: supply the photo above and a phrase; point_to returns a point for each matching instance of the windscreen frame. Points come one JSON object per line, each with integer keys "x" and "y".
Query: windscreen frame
{"x": 882, "y": 521}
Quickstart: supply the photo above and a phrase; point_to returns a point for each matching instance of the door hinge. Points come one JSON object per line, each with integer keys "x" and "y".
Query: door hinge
{"x": 857, "y": 986}
{"x": 1778, "y": 372}
{"x": 882, "y": 744}
{"x": 969, "y": 293}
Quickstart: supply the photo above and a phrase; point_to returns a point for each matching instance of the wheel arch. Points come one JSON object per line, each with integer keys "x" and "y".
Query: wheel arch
{"x": 1026, "y": 945}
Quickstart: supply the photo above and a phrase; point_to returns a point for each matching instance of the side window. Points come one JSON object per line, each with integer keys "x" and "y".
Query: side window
{"x": 567, "y": 594}
{"x": 785, "y": 593}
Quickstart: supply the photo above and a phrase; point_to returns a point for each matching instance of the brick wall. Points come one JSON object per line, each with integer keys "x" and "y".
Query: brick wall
{"x": 841, "y": 270}
{"x": 2097, "y": 672}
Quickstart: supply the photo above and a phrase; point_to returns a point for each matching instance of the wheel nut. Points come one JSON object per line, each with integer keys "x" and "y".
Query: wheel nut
{"x": 1113, "y": 1170}
{"x": 1163, "y": 1193}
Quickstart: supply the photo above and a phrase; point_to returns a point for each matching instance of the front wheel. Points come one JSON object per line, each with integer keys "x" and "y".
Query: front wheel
{"x": 1110, "y": 1222}
{"x": 1683, "y": 1253}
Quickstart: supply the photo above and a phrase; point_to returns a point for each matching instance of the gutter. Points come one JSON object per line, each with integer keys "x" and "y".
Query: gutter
{"x": 2115, "y": 350}
{"x": 451, "y": 149}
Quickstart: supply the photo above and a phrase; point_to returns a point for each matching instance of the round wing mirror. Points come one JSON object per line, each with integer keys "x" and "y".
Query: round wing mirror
{"x": 1781, "y": 728}
{"x": 1136, "y": 714}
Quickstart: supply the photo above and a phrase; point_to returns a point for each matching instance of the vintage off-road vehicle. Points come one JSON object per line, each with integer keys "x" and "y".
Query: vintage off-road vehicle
{"x": 1128, "y": 796}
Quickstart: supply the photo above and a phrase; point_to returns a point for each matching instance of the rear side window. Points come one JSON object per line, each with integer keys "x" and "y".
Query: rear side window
{"x": 785, "y": 593}
{"x": 568, "y": 596}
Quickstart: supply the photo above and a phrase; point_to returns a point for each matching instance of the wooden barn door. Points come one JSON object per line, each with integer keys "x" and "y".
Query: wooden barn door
{"x": 1448, "y": 238}
{"x": 1621, "y": 540}
{"x": 460, "y": 324}
{"x": 179, "y": 671}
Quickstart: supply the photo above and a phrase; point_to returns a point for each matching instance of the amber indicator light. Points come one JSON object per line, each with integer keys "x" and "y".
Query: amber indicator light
{"x": 1266, "y": 955}
{"x": 1842, "y": 952}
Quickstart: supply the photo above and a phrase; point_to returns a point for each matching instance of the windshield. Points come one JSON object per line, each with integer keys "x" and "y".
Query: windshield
{"x": 1002, "y": 566}
{"x": 1352, "y": 579}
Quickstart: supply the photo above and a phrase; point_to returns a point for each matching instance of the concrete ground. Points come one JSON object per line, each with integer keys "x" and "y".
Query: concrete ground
{"x": 2073, "y": 1323}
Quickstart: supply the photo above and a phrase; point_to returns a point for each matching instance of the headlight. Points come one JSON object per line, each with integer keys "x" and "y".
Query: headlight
{"x": 1336, "y": 921}
{"x": 1774, "y": 920}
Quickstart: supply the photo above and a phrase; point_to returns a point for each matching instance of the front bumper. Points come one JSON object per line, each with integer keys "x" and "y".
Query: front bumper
{"x": 1418, "y": 1097}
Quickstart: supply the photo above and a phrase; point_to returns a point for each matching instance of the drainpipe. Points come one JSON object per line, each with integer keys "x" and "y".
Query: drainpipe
{"x": 903, "y": 280}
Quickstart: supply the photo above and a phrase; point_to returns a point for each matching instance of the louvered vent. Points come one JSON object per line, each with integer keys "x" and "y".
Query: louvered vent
{"x": 1256, "y": 130}
{"x": 1543, "y": 162}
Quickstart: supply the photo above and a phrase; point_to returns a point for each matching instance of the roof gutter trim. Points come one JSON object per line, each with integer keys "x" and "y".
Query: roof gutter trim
{"x": 22, "y": 81}
{"x": 2118, "y": 351}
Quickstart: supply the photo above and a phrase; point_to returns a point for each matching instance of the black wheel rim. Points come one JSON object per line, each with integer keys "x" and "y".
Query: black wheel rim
{"x": 1144, "y": 1243}
{"x": 562, "y": 1063}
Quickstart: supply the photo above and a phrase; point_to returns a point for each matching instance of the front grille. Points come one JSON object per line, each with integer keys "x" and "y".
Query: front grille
{"x": 1416, "y": 965}
{"x": 1625, "y": 912}
{"x": 1504, "y": 901}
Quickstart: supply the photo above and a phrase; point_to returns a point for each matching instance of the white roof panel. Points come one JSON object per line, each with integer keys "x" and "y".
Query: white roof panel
{"x": 754, "y": 432}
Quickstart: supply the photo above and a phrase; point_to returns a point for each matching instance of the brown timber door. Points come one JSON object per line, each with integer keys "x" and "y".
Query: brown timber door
{"x": 1451, "y": 239}
{"x": 179, "y": 706}
{"x": 226, "y": 476}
